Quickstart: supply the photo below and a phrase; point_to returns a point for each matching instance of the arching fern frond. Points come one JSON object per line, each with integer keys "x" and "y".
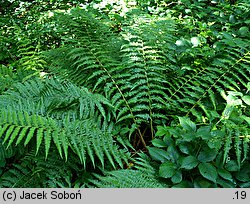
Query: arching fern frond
{"x": 21, "y": 127}
{"x": 90, "y": 48}
{"x": 142, "y": 176}
{"x": 127, "y": 179}
{"x": 198, "y": 88}
{"x": 33, "y": 171}
{"x": 52, "y": 97}
{"x": 140, "y": 73}
{"x": 137, "y": 87}
{"x": 131, "y": 76}
{"x": 48, "y": 111}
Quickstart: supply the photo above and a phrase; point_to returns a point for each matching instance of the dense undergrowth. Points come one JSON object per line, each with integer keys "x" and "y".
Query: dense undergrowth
{"x": 117, "y": 94}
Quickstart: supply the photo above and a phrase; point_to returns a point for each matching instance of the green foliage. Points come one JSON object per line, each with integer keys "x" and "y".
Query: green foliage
{"x": 33, "y": 171}
{"x": 44, "y": 111}
{"x": 85, "y": 85}
{"x": 202, "y": 154}
{"x": 142, "y": 174}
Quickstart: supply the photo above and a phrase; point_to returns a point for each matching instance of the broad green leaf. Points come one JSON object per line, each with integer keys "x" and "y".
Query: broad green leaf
{"x": 162, "y": 130}
{"x": 225, "y": 183}
{"x": 183, "y": 184}
{"x": 217, "y": 139}
{"x": 189, "y": 162}
{"x": 246, "y": 99}
{"x": 232, "y": 98}
{"x": 215, "y": 143}
{"x": 232, "y": 166}
{"x": 200, "y": 182}
{"x": 248, "y": 86}
{"x": 225, "y": 174}
{"x": 189, "y": 136}
{"x": 247, "y": 119}
{"x": 207, "y": 155}
{"x": 168, "y": 140}
{"x": 244, "y": 31}
{"x": 173, "y": 153}
{"x": 219, "y": 160}
{"x": 232, "y": 19}
{"x": 177, "y": 177}
{"x": 245, "y": 185}
{"x": 158, "y": 154}
{"x": 218, "y": 133}
{"x": 176, "y": 131}
{"x": 204, "y": 132}
{"x": 208, "y": 171}
{"x": 242, "y": 175}
{"x": 227, "y": 112}
{"x": 186, "y": 147}
{"x": 159, "y": 143}
{"x": 187, "y": 124}
{"x": 167, "y": 170}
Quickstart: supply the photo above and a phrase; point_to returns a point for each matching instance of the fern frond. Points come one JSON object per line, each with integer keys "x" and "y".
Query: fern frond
{"x": 137, "y": 87}
{"x": 132, "y": 76}
{"x": 87, "y": 139}
{"x": 228, "y": 72}
{"x": 37, "y": 110}
{"x": 127, "y": 179}
{"x": 143, "y": 176}
{"x": 90, "y": 50}
{"x": 20, "y": 126}
{"x": 33, "y": 171}
{"x": 237, "y": 146}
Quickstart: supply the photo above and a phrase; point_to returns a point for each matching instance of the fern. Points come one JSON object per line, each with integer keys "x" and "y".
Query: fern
{"x": 89, "y": 47}
{"x": 228, "y": 72}
{"x": 22, "y": 127}
{"x": 103, "y": 84}
{"x": 33, "y": 171}
{"x": 33, "y": 113}
{"x": 30, "y": 57}
{"x": 135, "y": 80}
{"x": 7, "y": 154}
{"x": 143, "y": 82}
{"x": 142, "y": 176}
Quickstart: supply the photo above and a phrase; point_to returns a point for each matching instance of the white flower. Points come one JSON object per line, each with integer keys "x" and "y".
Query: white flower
{"x": 195, "y": 41}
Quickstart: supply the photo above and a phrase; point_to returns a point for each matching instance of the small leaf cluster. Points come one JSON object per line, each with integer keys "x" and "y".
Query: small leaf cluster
{"x": 191, "y": 155}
